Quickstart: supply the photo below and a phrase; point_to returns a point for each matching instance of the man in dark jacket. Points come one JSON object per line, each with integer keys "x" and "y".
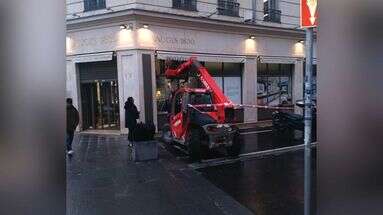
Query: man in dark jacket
{"x": 131, "y": 116}
{"x": 72, "y": 120}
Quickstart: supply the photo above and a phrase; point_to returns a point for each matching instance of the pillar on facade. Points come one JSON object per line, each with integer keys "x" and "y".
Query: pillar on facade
{"x": 71, "y": 82}
{"x": 250, "y": 88}
{"x": 72, "y": 89}
{"x": 129, "y": 83}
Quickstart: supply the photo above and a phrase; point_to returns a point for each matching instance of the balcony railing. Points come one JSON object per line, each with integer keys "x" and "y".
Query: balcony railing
{"x": 94, "y": 5}
{"x": 190, "y": 5}
{"x": 228, "y": 7}
{"x": 272, "y": 15}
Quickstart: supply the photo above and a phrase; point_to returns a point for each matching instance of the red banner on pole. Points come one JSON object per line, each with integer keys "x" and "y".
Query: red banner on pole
{"x": 309, "y": 13}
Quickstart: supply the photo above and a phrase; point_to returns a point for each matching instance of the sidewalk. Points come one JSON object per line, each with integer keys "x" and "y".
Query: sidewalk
{"x": 101, "y": 179}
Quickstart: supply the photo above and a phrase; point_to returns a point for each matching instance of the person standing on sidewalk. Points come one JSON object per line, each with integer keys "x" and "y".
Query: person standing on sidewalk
{"x": 72, "y": 120}
{"x": 131, "y": 116}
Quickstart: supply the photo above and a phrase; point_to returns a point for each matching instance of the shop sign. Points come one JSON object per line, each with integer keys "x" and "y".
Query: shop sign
{"x": 309, "y": 13}
{"x": 177, "y": 58}
{"x": 174, "y": 41}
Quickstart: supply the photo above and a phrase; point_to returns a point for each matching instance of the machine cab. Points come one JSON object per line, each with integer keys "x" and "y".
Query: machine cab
{"x": 199, "y": 100}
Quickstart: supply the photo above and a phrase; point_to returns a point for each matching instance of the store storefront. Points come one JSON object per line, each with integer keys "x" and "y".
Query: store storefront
{"x": 246, "y": 69}
{"x": 99, "y": 95}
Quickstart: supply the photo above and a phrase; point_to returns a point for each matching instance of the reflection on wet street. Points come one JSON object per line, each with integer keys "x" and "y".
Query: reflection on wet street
{"x": 269, "y": 185}
{"x": 269, "y": 140}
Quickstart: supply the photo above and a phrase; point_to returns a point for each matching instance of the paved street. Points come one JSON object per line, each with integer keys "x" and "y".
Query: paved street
{"x": 268, "y": 185}
{"x": 103, "y": 180}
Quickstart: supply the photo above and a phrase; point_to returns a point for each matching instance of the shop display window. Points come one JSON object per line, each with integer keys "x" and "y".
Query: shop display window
{"x": 274, "y": 85}
{"x": 228, "y": 76}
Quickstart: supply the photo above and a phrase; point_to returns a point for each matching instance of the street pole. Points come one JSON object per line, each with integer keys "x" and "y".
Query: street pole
{"x": 308, "y": 118}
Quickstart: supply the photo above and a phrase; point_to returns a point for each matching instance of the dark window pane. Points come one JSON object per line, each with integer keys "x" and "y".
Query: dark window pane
{"x": 94, "y": 5}
{"x": 215, "y": 69}
{"x": 262, "y": 69}
{"x": 228, "y": 7}
{"x": 232, "y": 69}
{"x": 178, "y": 103}
{"x": 199, "y": 99}
{"x": 185, "y": 4}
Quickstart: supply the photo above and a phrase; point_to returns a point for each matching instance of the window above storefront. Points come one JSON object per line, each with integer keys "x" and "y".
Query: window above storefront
{"x": 90, "y": 5}
{"x": 228, "y": 7}
{"x": 271, "y": 12}
{"x": 190, "y": 5}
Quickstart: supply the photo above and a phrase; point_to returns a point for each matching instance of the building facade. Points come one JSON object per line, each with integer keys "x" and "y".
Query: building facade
{"x": 117, "y": 49}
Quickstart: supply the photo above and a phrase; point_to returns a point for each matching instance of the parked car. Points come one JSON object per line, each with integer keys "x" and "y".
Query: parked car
{"x": 284, "y": 121}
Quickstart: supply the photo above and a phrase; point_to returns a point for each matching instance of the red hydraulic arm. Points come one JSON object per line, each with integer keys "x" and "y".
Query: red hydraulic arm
{"x": 209, "y": 83}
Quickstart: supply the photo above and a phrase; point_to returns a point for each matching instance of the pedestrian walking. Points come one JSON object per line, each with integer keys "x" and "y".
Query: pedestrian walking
{"x": 72, "y": 120}
{"x": 131, "y": 116}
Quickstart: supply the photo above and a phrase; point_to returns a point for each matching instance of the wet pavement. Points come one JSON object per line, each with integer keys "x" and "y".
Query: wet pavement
{"x": 268, "y": 185}
{"x": 267, "y": 140}
{"x": 102, "y": 179}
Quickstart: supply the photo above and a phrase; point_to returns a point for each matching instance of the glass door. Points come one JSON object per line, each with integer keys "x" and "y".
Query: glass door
{"x": 100, "y": 105}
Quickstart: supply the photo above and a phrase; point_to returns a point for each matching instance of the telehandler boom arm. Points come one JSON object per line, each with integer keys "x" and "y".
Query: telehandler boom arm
{"x": 208, "y": 82}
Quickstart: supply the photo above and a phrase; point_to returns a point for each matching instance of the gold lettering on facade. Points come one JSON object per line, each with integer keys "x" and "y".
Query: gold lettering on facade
{"x": 94, "y": 41}
{"x": 188, "y": 41}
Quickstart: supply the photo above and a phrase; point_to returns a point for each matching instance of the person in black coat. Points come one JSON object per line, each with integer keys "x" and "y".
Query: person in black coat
{"x": 131, "y": 116}
{"x": 72, "y": 120}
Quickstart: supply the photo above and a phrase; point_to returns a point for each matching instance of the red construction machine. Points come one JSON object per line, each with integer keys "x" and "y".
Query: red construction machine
{"x": 200, "y": 116}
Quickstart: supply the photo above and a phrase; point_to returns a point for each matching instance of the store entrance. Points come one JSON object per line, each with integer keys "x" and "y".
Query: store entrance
{"x": 100, "y": 108}
{"x": 99, "y": 96}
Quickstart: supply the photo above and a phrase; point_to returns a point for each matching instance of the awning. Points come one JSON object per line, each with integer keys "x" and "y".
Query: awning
{"x": 105, "y": 56}
{"x": 278, "y": 60}
{"x": 201, "y": 57}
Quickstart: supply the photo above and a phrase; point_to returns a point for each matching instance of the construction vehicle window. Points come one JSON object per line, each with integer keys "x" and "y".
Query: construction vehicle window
{"x": 178, "y": 103}
{"x": 185, "y": 101}
{"x": 195, "y": 82}
{"x": 200, "y": 98}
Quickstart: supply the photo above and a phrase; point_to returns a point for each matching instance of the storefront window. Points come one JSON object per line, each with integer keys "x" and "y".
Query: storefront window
{"x": 274, "y": 87}
{"x": 163, "y": 87}
{"x": 229, "y": 77}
